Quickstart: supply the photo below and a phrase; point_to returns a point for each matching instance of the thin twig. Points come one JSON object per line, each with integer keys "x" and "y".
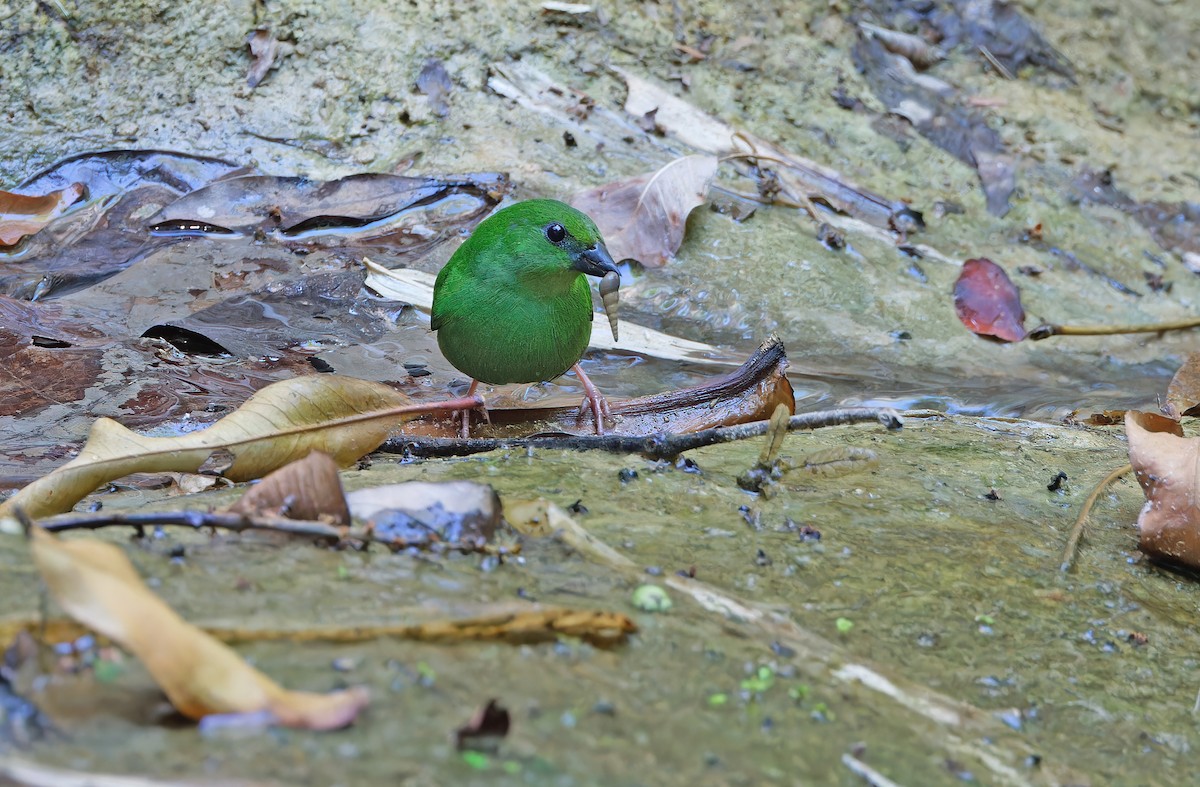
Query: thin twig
{"x": 860, "y": 768}
{"x": 239, "y": 523}
{"x": 656, "y": 446}
{"x": 1003, "y": 69}
{"x": 1048, "y": 330}
{"x": 1077, "y": 531}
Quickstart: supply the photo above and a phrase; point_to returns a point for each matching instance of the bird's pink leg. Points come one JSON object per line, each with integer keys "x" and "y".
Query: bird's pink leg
{"x": 465, "y": 430}
{"x": 593, "y": 400}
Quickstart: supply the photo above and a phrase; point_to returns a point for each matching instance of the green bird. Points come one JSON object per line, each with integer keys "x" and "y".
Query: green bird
{"x": 512, "y": 305}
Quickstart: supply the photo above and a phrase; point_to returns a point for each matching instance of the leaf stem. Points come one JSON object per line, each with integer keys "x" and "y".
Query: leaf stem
{"x": 1077, "y": 531}
{"x": 1047, "y": 330}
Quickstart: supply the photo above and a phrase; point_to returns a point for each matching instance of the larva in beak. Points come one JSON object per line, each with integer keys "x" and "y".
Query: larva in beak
{"x": 611, "y": 298}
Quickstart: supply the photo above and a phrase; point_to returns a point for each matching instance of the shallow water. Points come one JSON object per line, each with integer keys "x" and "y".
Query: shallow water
{"x": 945, "y": 587}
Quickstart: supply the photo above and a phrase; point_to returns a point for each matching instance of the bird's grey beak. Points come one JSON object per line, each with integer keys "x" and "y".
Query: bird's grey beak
{"x": 595, "y": 261}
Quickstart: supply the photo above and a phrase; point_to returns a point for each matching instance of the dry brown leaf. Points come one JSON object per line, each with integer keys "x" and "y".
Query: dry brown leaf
{"x": 22, "y": 215}
{"x": 749, "y": 393}
{"x": 343, "y": 416}
{"x": 309, "y": 488}
{"x": 1183, "y": 394}
{"x": 1166, "y": 463}
{"x": 263, "y": 49}
{"x": 643, "y": 218}
{"x": 97, "y": 585}
{"x": 987, "y": 302}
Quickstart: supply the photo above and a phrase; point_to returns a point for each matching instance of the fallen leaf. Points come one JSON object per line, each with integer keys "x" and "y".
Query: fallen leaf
{"x": 490, "y": 723}
{"x": 263, "y": 50}
{"x": 1183, "y": 394}
{"x": 1165, "y": 464}
{"x": 309, "y": 488}
{"x": 1175, "y": 226}
{"x": 415, "y": 287}
{"x": 750, "y": 393}
{"x": 22, "y": 215}
{"x": 416, "y": 511}
{"x": 987, "y": 301}
{"x": 934, "y": 108}
{"x": 109, "y": 172}
{"x": 294, "y": 205}
{"x": 95, "y": 583}
{"x": 798, "y": 178}
{"x": 643, "y": 218}
{"x": 434, "y": 82}
{"x": 346, "y": 417}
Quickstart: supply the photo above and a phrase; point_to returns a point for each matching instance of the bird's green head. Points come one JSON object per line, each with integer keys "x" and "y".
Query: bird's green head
{"x": 544, "y": 238}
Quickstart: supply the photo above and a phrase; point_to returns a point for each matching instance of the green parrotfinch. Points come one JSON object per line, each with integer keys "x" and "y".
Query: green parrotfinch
{"x": 512, "y": 305}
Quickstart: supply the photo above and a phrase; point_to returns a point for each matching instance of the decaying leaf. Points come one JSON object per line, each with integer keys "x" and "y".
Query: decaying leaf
{"x": 263, "y": 49}
{"x": 309, "y": 488}
{"x": 346, "y": 417}
{"x": 936, "y": 111}
{"x": 97, "y": 585}
{"x": 1167, "y": 466}
{"x": 750, "y": 393}
{"x": 22, "y": 215}
{"x": 798, "y": 179}
{"x": 1175, "y": 226}
{"x": 416, "y": 511}
{"x": 987, "y": 301}
{"x": 292, "y": 205}
{"x": 1183, "y": 394}
{"x": 109, "y": 172}
{"x": 643, "y": 218}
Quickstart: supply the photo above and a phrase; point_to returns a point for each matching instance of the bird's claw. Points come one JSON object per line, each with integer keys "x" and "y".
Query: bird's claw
{"x": 592, "y": 400}
{"x": 587, "y": 408}
{"x": 465, "y": 427}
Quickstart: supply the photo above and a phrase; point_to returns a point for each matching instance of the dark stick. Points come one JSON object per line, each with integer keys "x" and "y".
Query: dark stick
{"x": 662, "y": 445}
{"x": 239, "y": 523}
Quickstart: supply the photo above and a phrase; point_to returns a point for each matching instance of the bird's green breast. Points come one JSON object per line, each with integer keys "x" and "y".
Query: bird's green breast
{"x": 498, "y": 329}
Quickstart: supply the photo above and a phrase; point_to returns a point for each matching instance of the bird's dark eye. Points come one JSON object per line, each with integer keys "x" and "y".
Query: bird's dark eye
{"x": 556, "y": 233}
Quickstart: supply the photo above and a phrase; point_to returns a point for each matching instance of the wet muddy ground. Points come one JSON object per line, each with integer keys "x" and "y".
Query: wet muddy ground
{"x": 950, "y": 590}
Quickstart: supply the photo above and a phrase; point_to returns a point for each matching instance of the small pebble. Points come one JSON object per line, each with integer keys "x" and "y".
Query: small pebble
{"x": 345, "y": 663}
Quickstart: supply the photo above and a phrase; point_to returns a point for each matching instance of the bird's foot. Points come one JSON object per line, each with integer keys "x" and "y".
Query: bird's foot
{"x": 593, "y": 402}
{"x": 465, "y": 426}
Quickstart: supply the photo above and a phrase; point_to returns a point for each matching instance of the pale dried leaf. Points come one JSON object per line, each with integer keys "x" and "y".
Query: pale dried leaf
{"x": 687, "y": 122}
{"x": 344, "y": 416}
{"x": 96, "y": 584}
{"x": 644, "y": 218}
{"x": 415, "y": 287}
{"x": 263, "y": 49}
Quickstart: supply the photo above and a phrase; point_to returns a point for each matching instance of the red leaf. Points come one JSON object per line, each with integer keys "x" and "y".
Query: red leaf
{"x": 987, "y": 302}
